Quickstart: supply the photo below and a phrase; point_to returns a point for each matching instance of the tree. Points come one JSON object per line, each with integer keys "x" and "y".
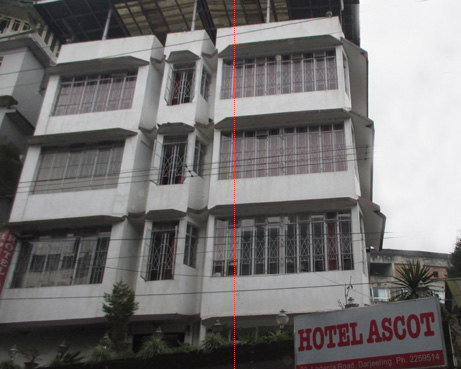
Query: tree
{"x": 454, "y": 270}
{"x": 412, "y": 276}
{"x": 119, "y": 308}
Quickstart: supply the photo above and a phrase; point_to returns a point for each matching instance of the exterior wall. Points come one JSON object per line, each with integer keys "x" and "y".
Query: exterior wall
{"x": 197, "y": 45}
{"x": 384, "y": 267}
{"x": 192, "y": 298}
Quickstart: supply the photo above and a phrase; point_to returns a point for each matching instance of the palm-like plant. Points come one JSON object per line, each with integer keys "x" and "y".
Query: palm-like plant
{"x": 411, "y": 276}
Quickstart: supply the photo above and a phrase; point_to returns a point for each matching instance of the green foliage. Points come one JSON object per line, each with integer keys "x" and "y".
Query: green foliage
{"x": 119, "y": 308}
{"x": 184, "y": 347}
{"x": 32, "y": 354}
{"x": 411, "y": 275}
{"x": 454, "y": 270}
{"x": 67, "y": 358}
{"x": 100, "y": 354}
{"x": 152, "y": 347}
{"x": 8, "y": 364}
{"x": 212, "y": 341}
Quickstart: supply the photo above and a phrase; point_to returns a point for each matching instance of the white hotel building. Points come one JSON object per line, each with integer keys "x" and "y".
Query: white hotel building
{"x": 130, "y": 176}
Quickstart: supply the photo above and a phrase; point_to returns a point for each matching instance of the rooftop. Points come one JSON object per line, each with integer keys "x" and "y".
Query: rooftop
{"x": 84, "y": 20}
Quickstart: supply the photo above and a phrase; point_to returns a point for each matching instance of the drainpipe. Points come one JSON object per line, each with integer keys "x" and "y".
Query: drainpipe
{"x": 106, "y": 27}
{"x": 268, "y": 11}
{"x": 194, "y": 15}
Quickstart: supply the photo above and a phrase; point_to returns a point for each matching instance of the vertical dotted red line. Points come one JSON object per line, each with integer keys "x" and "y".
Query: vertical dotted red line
{"x": 233, "y": 136}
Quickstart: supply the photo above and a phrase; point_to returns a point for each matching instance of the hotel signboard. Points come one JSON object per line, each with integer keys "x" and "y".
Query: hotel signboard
{"x": 405, "y": 334}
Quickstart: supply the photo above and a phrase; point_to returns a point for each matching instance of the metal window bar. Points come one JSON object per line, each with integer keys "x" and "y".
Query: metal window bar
{"x": 308, "y": 149}
{"x": 173, "y": 160}
{"x": 282, "y": 74}
{"x": 162, "y": 254}
{"x": 78, "y": 168}
{"x": 303, "y": 243}
{"x": 180, "y": 85}
{"x": 58, "y": 262}
{"x": 93, "y": 93}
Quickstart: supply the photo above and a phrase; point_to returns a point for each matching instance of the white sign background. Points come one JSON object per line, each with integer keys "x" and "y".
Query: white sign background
{"x": 410, "y": 352}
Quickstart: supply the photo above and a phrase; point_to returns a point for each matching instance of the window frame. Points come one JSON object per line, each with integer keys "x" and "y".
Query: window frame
{"x": 283, "y": 244}
{"x": 283, "y": 151}
{"x": 62, "y": 260}
{"x": 173, "y": 160}
{"x": 199, "y": 157}
{"x": 75, "y": 168}
{"x": 191, "y": 246}
{"x": 205, "y": 84}
{"x": 95, "y": 93}
{"x": 308, "y": 71}
{"x": 160, "y": 258}
{"x": 180, "y": 84}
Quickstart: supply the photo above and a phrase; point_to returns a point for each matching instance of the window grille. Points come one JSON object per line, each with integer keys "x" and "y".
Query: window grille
{"x": 276, "y": 152}
{"x": 283, "y": 244}
{"x": 101, "y": 92}
{"x": 205, "y": 84}
{"x": 79, "y": 168}
{"x": 78, "y": 258}
{"x": 173, "y": 160}
{"x": 190, "y": 248}
{"x": 180, "y": 85}
{"x": 161, "y": 252}
{"x": 282, "y": 74}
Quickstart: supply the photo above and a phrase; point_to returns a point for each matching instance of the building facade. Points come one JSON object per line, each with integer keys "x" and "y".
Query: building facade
{"x": 385, "y": 265}
{"x": 179, "y": 171}
{"x": 27, "y": 48}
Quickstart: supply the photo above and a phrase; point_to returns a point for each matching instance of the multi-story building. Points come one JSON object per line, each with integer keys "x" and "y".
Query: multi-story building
{"x": 385, "y": 265}
{"x": 167, "y": 167}
{"x": 27, "y": 48}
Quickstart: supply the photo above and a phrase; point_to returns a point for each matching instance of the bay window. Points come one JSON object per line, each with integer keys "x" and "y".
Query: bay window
{"x": 62, "y": 260}
{"x": 94, "y": 93}
{"x": 283, "y": 244}
{"x": 79, "y": 167}
{"x": 283, "y": 151}
{"x": 280, "y": 74}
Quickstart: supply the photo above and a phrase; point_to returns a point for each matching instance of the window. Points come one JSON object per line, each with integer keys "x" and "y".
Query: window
{"x": 380, "y": 294}
{"x": 346, "y": 75}
{"x": 205, "y": 84}
{"x": 173, "y": 160}
{"x": 161, "y": 252}
{"x": 190, "y": 248}
{"x": 4, "y": 24}
{"x": 283, "y": 244}
{"x": 50, "y": 260}
{"x": 180, "y": 85}
{"x": 78, "y": 168}
{"x": 281, "y": 74}
{"x": 199, "y": 157}
{"x": 100, "y": 92}
{"x": 276, "y": 152}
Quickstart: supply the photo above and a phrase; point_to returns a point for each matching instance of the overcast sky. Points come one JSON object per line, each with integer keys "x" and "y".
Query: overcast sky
{"x": 414, "y": 52}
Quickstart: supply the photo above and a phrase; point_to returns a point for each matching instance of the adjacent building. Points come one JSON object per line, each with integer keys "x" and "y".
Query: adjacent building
{"x": 161, "y": 161}
{"x": 27, "y": 48}
{"x": 385, "y": 265}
